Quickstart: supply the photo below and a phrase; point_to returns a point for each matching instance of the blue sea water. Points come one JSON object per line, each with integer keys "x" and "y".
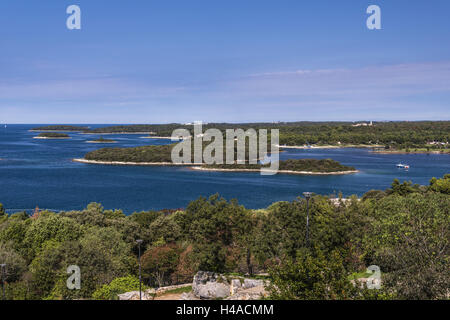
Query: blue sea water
{"x": 40, "y": 173}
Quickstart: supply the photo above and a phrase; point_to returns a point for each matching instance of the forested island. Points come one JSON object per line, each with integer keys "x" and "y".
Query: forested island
{"x": 150, "y": 154}
{"x": 154, "y": 155}
{"x": 60, "y": 128}
{"x": 405, "y": 230}
{"x": 52, "y": 135}
{"x": 102, "y": 140}
{"x": 300, "y": 166}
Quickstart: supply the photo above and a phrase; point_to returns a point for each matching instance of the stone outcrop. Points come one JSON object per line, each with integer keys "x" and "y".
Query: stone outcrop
{"x": 254, "y": 293}
{"x": 134, "y": 295}
{"x": 210, "y": 285}
{"x": 188, "y": 296}
{"x": 150, "y": 294}
{"x": 168, "y": 288}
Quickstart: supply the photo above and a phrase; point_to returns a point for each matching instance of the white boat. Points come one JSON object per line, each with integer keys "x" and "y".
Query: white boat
{"x": 403, "y": 166}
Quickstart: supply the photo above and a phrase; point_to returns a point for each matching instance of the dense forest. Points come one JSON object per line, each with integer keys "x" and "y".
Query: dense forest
{"x": 162, "y": 153}
{"x": 103, "y": 140}
{"x": 52, "y": 135}
{"x": 310, "y": 165}
{"x": 60, "y": 128}
{"x": 405, "y": 230}
{"x": 401, "y": 134}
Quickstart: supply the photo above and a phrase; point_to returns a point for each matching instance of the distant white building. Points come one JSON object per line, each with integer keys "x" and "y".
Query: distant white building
{"x": 363, "y": 124}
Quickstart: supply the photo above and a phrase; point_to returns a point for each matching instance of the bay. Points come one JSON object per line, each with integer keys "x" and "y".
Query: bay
{"x": 41, "y": 173}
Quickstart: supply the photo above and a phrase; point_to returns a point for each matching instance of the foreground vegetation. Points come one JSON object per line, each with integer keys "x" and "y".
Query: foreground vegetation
{"x": 405, "y": 230}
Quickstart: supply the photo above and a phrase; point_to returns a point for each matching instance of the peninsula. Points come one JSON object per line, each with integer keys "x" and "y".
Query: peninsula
{"x": 59, "y": 128}
{"x": 416, "y": 136}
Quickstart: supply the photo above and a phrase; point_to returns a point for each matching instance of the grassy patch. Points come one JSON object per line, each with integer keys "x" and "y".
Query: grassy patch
{"x": 357, "y": 275}
{"x": 178, "y": 290}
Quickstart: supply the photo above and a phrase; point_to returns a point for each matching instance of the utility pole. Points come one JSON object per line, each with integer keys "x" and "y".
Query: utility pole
{"x": 139, "y": 241}
{"x": 307, "y": 197}
{"x": 3, "y": 268}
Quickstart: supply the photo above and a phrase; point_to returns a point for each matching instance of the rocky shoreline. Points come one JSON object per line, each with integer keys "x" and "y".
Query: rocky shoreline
{"x": 102, "y": 133}
{"x": 198, "y": 166}
{"x": 121, "y": 163}
{"x": 411, "y": 152}
{"x": 101, "y": 142}
{"x": 332, "y": 146}
{"x": 156, "y": 137}
{"x": 277, "y": 171}
{"x": 51, "y": 138}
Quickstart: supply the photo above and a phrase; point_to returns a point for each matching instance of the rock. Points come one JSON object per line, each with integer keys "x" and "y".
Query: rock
{"x": 254, "y": 293}
{"x": 251, "y": 283}
{"x": 236, "y": 285}
{"x": 134, "y": 295}
{"x": 168, "y": 288}
{"x": 188, "y": 296}
{"x": 210, "y": 285}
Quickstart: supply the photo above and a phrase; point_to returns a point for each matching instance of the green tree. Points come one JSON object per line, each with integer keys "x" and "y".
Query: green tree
{"x": 441, "y": 185}
{"x": 51, "y": 227}
{"x": 164, "y": 227}
{"x": 158, "y": 263}
{"x": 208, "y": 223}
{"x": 117, "y": 286}
{"x": 312, "y": 276}
{"x": 410, "y": 240}
{"x": 402, "y": 189}
{"x": 45, "y": 269}
{"x": 15, "y": 264}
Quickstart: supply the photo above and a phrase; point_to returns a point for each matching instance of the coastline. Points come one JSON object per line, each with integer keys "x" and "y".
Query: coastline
{"x": 103, "y": 133}
{"x": 156, "y": 137}
{"x": 122, "y": 163}
{"x": 100, "y": 142}
{"x": 411, "y": 152}
{"x": 198, "y": 166}
{"x": 278, "y": 171}
{"x": 50, "y": 138}
{"x": 331, "y": 146}
{"x": 74, "y": 131}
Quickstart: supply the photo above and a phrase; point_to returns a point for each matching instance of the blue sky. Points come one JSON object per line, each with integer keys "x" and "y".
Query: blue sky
{"x": 147, "y": 61}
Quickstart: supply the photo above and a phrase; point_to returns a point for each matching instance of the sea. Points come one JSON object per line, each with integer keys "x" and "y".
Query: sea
{"x": 41, "y": 173}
